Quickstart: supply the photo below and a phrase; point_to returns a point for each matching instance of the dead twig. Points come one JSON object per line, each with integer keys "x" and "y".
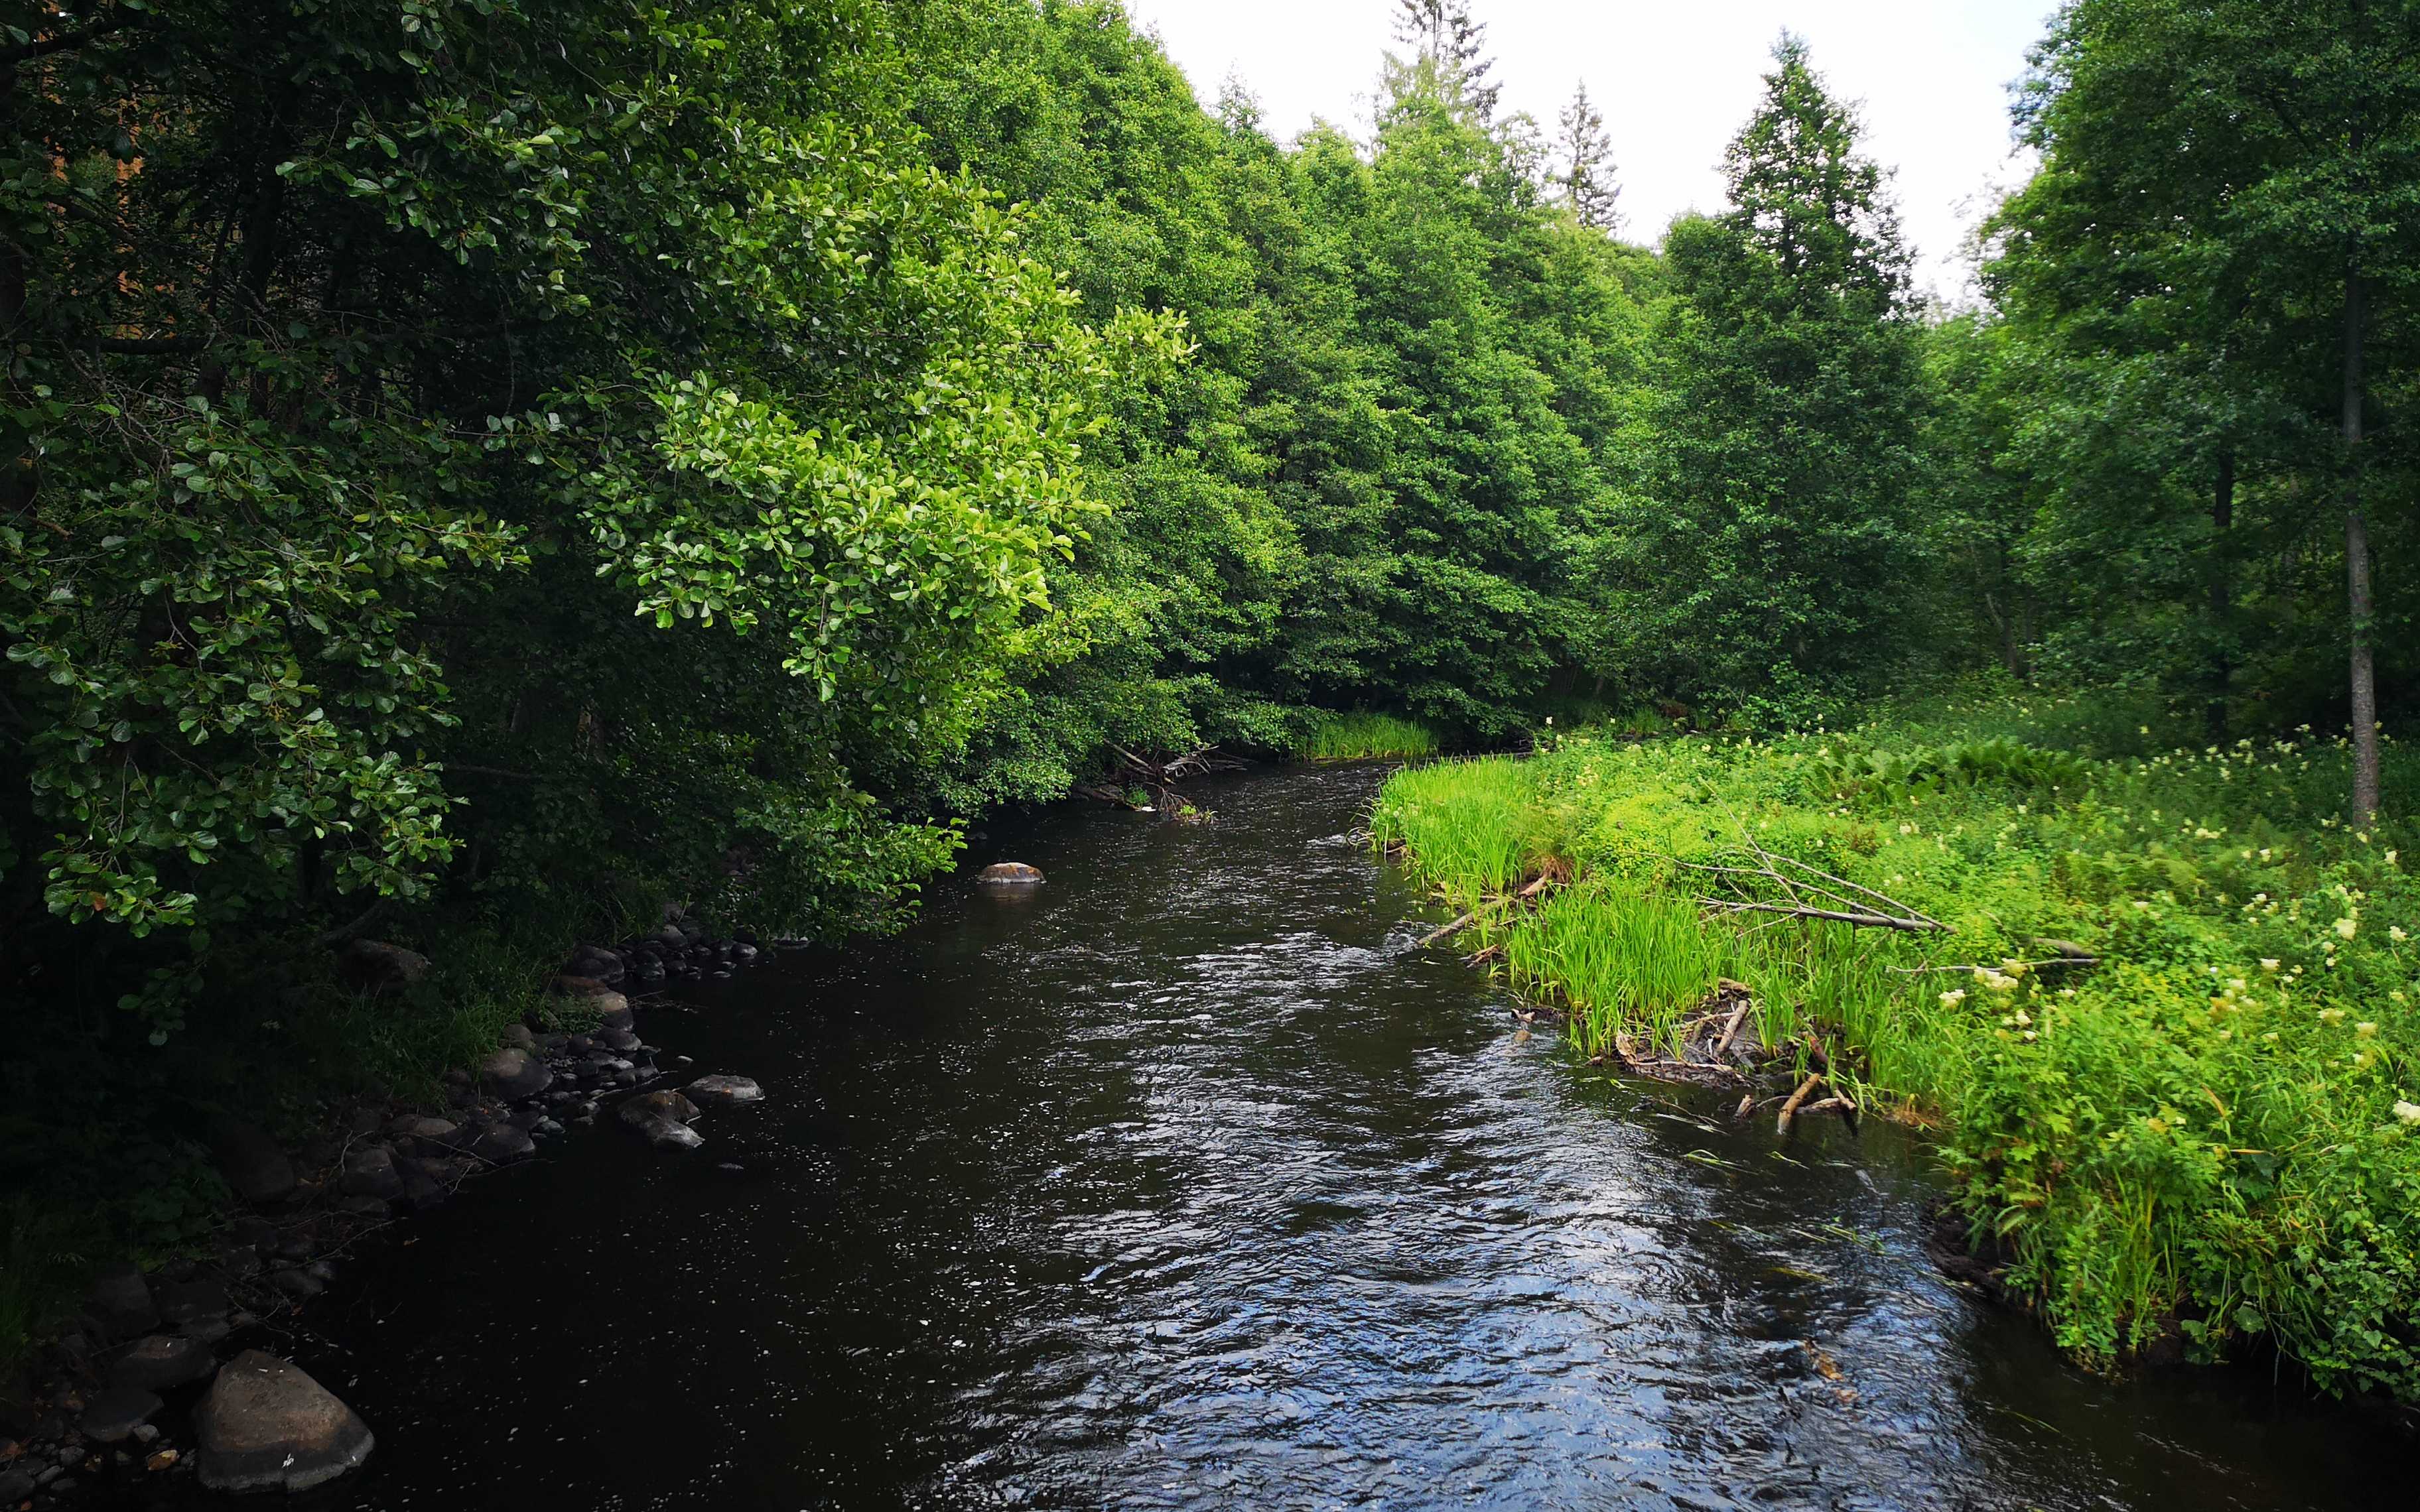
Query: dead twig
{"x": 1915, "y": 925}
{"x": 1449, "y": 931}
{"x": 1797, "y": 1098}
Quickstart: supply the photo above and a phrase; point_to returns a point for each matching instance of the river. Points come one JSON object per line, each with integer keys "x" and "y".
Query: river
{"x": 1180, "y": 1182}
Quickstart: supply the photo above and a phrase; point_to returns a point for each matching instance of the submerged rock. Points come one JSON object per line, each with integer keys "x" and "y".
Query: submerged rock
{"x": 267, "y": 1425}
{"x": 646, "y": 1105}
{"x": 1008, "y": 875}
{"x": 662, "y": 1118}
{"x": 723, "y": 1091}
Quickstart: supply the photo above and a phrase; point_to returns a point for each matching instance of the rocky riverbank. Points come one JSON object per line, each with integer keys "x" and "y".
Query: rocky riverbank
{"x": 160, "y": 1377}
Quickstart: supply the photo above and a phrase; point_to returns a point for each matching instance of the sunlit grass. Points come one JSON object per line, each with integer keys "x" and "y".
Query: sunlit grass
{"x": 2205, "y": 1130}
{"x": 1343, "y": 737}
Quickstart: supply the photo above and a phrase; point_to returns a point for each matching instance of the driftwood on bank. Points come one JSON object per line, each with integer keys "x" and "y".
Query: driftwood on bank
{"x": 1448, "y": 931}
{"x": 1766, "y": 882}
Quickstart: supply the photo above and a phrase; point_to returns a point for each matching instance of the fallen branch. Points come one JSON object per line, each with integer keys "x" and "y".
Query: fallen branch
{"x": 1449, "y": 931}
{"x": 1918, "y": 925}
{"x": 2028, "y": 966}
{"x": 1730, "y": 1030}
{"x": 1789, "y": 1109}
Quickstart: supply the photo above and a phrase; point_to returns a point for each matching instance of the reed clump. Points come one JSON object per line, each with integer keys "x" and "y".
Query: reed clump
{"x": 1346, "y": 737}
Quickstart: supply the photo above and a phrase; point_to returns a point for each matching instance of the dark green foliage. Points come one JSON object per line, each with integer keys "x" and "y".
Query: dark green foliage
{"x": 1775, "y": 529}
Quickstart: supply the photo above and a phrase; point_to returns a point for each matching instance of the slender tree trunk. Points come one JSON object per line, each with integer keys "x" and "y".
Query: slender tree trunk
{"x": 2364, "y": 672}
{"x": 2221, "y": 609}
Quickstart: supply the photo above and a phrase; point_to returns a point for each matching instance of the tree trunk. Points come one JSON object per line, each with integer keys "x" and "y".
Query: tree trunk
{"x": 2221, "y": 662}
{"x": 2365, "y": 672}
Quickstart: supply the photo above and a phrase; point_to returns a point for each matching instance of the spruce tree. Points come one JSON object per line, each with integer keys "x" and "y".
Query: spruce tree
{"x": 1775, "y": 533}
{"x": 1585, "y": 177}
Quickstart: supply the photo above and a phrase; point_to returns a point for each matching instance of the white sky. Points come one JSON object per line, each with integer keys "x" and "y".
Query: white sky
{"x": 1674, "y": 80}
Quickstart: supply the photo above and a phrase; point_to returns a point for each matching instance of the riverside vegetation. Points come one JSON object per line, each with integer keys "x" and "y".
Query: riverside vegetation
{"x": 481, "y": 472}
{"x": 2166, "y": 1026}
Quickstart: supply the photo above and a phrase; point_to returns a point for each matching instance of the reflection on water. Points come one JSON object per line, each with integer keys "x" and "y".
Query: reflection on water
{"x": 1179, "y": 1183}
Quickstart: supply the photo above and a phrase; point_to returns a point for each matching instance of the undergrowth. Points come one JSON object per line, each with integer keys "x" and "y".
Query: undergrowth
{"x": 2216, "y": 1128}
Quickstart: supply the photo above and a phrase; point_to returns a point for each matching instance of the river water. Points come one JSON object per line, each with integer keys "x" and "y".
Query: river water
{"x": 1180, "y": 1182}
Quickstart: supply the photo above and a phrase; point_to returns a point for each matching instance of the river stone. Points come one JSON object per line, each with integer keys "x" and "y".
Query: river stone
{"x": 502, "y": 1142}
{"x": 519, "y": 1036}
{"x": 427, "y": 1133}
{"x": 664, "y": 1133}
{"x": 724, "y": 1091}
{"x": 116, "y": 1414}
{"x": 514, "y": 1073}
{"x": 370, "y": 1173}
{"x": 161, "y": 1362}
{"x": 254, "y": 1167}
{"x": 1008, "y": 875}
{"x": 298, "y": 1283}
{"x": 613, "y": 1010}
{"x": 267, "y": 1425}
{"x": 595, "y": 964}
{"x": 377, "y": 967}
{"x": 670, "y": 1106}
{"x": 121, "y": 1301}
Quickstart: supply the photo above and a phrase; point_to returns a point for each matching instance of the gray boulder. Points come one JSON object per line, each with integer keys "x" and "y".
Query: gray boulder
{"x": 512, "y": 1074}
{"x": 595, "y": 964}
{"x": 662, "y": 1118}
{"x": 663, "y": 1133}
{"x": 1009, "y": 874}
{"x": 267, "y": 1425}
{"x": 646, "y": 1105}
{"x": 370, "y": 1172}
{"x": 502, "y": 1142}
{"x": 379, "y": 968}
{"x": 724, "y": 1091}
{"x": 162, "y": 1362}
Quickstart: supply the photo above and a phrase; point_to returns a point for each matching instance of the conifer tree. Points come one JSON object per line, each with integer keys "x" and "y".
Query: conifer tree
{"x": 1585, "y": 177}
{"x": 1775, "y": 533}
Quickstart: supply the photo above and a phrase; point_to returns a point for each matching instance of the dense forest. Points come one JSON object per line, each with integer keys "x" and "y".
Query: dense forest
{"x": 482, "y": 469}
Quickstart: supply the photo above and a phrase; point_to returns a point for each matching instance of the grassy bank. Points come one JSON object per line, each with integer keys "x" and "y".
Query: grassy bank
{"x": 1344, "y": 737}
{"x": 2217, "y": 1127}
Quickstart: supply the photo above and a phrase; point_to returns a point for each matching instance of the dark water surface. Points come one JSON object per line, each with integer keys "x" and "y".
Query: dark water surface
{"x": 1182, "y": 1184}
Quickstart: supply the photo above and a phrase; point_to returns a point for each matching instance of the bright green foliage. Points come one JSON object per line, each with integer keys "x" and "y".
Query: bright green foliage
{"x": 2219, "y": 1122}
{"x": 724, "y": 344}
{"x": 1344, "y": 737}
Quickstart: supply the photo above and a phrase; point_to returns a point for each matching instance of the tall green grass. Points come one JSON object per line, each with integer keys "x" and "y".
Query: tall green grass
{"x": 1479, "y": 825}
{"x": 1343, "y": 737}
{"x": 2216, "y": 1131}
